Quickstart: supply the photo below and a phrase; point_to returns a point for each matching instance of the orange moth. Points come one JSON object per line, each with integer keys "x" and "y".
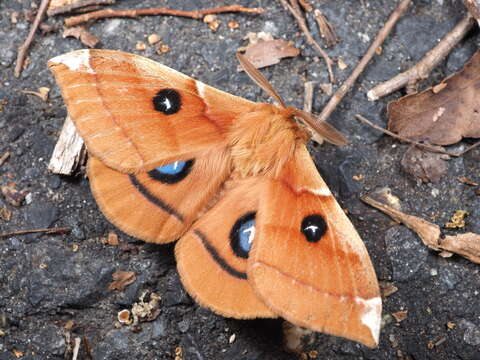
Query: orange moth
{"x": 260, "y": 234}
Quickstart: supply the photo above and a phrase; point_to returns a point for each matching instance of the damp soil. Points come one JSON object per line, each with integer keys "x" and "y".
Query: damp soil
{"x": 47, "y": 280}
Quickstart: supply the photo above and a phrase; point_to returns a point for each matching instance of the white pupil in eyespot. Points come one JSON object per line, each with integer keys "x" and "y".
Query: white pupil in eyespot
{"x": 167, "y": 103}
{"x": 246, "y": 235}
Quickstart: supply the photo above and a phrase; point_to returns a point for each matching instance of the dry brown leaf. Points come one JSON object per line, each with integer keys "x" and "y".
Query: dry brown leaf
{"x": 466, "y": 245}
{"x": 400, "y": 315}
{"x": 424, "y": 165}
{"x": 12, "y": 195}
{"x": 270, "y": 52}
{"x": 80, "y": 33}
{"x": 121, "y": 279}
{"x": 387, "y": 288}
{"x": 445, "y": 117}
{"x": 5, "y": 214}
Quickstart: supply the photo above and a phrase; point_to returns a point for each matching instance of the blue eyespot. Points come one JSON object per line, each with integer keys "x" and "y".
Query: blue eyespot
{"x": 242, "y": 235}
{"x": 172, "y": 173}
{"x": 173, "y": 168}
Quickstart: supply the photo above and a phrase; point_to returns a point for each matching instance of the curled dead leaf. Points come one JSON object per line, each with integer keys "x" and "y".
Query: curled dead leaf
{"x": 80, "y": 33}
{"x": 270, "y": 52}
{"x": 121, "y": 279}
{"x": 441, "y": 117}
{"x": 400, "y": 315}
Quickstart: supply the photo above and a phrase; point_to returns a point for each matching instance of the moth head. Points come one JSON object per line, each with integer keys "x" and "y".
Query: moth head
{"x": 314, "y": 127}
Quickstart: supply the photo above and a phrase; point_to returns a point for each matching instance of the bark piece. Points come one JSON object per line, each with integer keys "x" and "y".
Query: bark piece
{"x": 69, "y": 152}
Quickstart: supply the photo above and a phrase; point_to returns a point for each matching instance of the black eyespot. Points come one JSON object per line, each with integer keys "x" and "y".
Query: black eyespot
{"x": 313, "y": 227}
{"x": 167, "y": 101}
{"x": 172, "y": 173}
{"x": 242, "y": 235}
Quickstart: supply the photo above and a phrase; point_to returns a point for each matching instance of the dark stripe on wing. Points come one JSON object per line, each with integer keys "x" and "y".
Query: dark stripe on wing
{"x": 219, "y": 260}
{"x": 153, "y": 199}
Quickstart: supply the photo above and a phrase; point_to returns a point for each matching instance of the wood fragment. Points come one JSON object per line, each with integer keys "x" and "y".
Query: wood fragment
{"x": 326, "y": 29}
{"x": 195, "y": 14}
{"x": 379, "y": 39}
{"x": 69, "y": 152}
{"x": 295, "y": 10}
{"x": 61, "y": 230}
{"x": 23, "y": 49}
{"x": 466, "y": 244}
{"x": 467, "y": 181}
{"x": 308, "y": 97}
{"x": 422, "y": 69}
{"x": 422, "y": 145}
{"x": 77, "y": 5}
{"x": 473, "y": 7}
{"x": 76, "y": 348}
{"x": 4, "y": 157}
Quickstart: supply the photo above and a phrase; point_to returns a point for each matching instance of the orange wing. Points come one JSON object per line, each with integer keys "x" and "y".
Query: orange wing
{"x": 308, "y": 263}
{"x": 135, "y": 114}
{"x": 160, "y": 205}
{"x": 212, "y": 256}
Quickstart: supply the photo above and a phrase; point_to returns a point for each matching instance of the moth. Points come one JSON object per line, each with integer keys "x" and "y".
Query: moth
{"x": 260, "y": 234}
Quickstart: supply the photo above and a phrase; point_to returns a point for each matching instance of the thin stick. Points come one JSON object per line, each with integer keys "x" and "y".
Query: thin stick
{"x": 76, "y": 348}
{"x": 78, "y": 5}
{"x": 308, "y": 97}
{"x": 196, "y": 14}
{"x": 46, "y": 231}
{"x": 381, "y": 36}
{"x": 426, "y": 146}
{"x": 422, "y": 69}
{"x": 294, "y": 8}
{"x": 22, "y": 50}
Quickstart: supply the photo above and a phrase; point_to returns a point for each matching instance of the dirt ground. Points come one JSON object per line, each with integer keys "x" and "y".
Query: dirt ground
{"x": 47, "y": 280}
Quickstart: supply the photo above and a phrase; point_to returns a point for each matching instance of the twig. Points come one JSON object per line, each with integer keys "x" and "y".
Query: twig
{"x": 46, "y": 231}
{"x": 426, "y": 146}
{"x": 4, "y": 158}
{"x": 308, "y": 97}
{"x": 294, "y": 8}
{"x": 381, "y": 36}
{"x": 422, "y": 69}
{"x": 76, "y": 348}
{"x": 466, "y": 245}
{"x": 473, "y": 7}
{"x": 77, "y": 5}
{"x": 196, "y": 14}
{"x": 22, "y": 50}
